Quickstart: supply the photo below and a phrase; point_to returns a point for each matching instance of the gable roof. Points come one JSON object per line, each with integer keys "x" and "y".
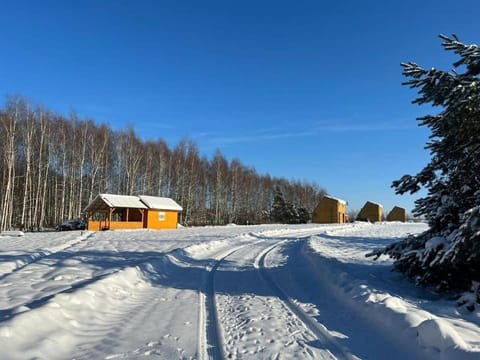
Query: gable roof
{"x": 115, "y": 201}
{"x": 123, "y": 201}
{"x": 105, "y": 201}
{"x": 160, "y": 203}
{"x": 373, "y": 203}
{"x": 336, "y": 199}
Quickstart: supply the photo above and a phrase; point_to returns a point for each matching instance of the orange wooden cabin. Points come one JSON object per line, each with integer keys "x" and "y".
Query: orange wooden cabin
{"x": 115, "y": 212}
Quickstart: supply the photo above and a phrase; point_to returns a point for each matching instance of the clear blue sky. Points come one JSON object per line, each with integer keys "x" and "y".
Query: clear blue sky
{"x": 297, "y": 89}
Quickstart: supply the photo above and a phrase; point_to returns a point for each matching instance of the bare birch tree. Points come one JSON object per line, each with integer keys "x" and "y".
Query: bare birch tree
{"x": 9, "y": 127}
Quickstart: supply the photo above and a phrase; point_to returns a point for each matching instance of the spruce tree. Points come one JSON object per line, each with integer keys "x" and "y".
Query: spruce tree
{"x": 304, "y": 215}
{"x": 279, "y": 212}
{"x": 447, "y": 256}
{"x": 285, "y": 212}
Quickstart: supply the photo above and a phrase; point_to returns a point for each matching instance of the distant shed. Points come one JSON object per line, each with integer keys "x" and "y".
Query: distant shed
{"x": 371, "y": 211}
{"x": 330, "y": 210}
{"x": 114, "y": 212}
{"x": 397, "y": 214}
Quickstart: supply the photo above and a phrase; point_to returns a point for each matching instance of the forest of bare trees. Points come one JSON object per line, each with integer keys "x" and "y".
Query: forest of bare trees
{"x": 52, "y": 166}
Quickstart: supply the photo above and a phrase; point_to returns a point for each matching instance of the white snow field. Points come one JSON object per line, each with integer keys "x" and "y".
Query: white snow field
{"x": 233, "y": 292}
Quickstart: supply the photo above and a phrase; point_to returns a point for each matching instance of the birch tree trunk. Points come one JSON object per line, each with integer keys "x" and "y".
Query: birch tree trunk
{"x": 81, "y": 129}
{"x": 39, "y": 192}
{"x": 10, "y": 127}
{"x": 29, "y": 127}
{"x": 97, "y": 150}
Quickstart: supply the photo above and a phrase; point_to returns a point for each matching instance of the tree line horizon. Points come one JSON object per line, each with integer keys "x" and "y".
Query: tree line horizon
{"x": 54, "y": 165}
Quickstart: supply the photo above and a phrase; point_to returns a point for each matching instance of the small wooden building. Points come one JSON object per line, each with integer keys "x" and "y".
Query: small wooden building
{"x": 162, "y": 212}
{"x": 397, "y": 214}
{"x": 114, "y": 212}
{"x": 371, "y": 212}
{"x": 330, "y": 210}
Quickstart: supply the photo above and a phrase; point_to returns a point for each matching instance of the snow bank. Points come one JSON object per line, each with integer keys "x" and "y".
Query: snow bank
{"x": 18, "y": 252}
{"x": 199, "y": 251}
{"x": 438, "y": 334}
{"x": 70, "y": 318}
{"x": 12, "y": 233}
{"x": 213, "y": 247}
{"x": 385, "y": 298}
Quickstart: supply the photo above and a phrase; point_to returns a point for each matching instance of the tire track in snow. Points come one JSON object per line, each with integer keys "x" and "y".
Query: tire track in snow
{"x": 210, "y": 340}
{"x": 210, "y": 343}
{"x": 322, "y": 335}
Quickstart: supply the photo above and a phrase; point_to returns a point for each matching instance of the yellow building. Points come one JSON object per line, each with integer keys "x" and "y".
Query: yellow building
{"x": 330, "y": 211}
{"x": 114, "y": 212}
{"x": 371, "y": 212}
{"x": 397, "y": 214}
{"x": 162, "y": 212}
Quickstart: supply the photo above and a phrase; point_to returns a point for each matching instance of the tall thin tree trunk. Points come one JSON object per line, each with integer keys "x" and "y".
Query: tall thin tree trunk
{"x": 7, "y": 205}
{"x": 25, "y": 218}
{"x": 81, "y": 165}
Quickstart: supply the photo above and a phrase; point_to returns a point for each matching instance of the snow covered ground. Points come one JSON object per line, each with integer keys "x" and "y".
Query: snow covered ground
{"x": 233, "y": 292}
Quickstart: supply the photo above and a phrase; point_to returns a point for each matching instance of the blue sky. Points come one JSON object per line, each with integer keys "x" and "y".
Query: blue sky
{"x": 307, "y": 90}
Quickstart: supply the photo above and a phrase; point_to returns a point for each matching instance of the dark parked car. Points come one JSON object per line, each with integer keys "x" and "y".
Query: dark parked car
{"x": 72, "y": 225}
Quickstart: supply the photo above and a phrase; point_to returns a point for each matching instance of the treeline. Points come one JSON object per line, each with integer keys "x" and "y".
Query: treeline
{"x": 52, "y": 166}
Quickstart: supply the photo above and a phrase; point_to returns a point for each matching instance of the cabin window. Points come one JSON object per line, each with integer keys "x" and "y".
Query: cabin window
{"x": 161, "y": 216}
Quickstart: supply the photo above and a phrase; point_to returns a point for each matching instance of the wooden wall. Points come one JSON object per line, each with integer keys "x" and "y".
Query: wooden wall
{"x": 162, "y": 219}
{"x": 330, "y": 211}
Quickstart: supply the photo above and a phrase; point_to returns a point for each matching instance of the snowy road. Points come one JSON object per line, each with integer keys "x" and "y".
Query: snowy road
{"x": 256, "y": 292}
{"x": 258, "y": 320}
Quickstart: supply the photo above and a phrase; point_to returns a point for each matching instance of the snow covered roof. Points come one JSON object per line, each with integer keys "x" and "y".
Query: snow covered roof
{"x": 103, "y": 201}
{"x": 115, "y": 201}
{"x": 160, "y": 203}
{"x": 336, "y": 199}
{"x": 374, "y": 203}
{"x": 123, "y": 201}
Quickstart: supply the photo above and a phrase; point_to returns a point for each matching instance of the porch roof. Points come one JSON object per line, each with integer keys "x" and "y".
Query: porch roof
{"x": 105, "y": 201}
